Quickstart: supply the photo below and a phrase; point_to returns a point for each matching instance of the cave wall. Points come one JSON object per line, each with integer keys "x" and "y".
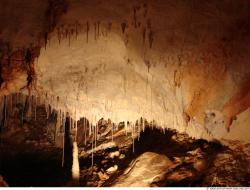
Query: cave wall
{"x": 181, "y": 63}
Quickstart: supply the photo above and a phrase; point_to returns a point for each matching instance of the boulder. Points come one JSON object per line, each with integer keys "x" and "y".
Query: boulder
{"x": 144, "y": 170}
{"x": 112, "y": 169}
{"x": 103, "y": 176}
{"x": 114, "y": 154}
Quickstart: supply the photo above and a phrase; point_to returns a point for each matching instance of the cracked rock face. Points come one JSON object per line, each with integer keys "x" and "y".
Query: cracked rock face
{"x": 182, "y": 64}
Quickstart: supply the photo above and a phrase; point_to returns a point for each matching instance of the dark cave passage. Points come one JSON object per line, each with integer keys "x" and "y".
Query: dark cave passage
{"x": 31, "y": 167}
{"x": 36, "y": 165}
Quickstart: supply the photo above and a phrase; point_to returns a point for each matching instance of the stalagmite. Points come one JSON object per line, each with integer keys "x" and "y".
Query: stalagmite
{"x": 75, "y": 165}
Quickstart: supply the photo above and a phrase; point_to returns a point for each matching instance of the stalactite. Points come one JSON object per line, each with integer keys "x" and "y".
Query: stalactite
{"x": 144, "y": 35}
{"x": 56, "y": 127}
{"x": 5, "y": 110}
{"x": 98, "y": 28}
{"x": 112, "y": 128}
{"x": 70, "y": 124}
{"x": 46, "y": 106}
{"x": 60, "y": 118}
{"x": 35, "y": 106}
{"x": 66, "y": 33}
{"x": 123, "y": 25}
{"x": 76, "y": 29}
{"x": 63, "y": 145}
{"x": 143, "y": 128}
{"x": 151, "y": 102}
{"x": 58, "y": 35}
{"x": 45, "y": 39}
{"x": 1, "y": 111}
{"x": 133, "y": 137}
{"x": 97, "y": 131}
{"x": 95, "y": 31}
{"x": 69, "y": 38}
{"x": 15, "y": 99}
{"x": 95, "y": 127}
{"x": 109, "y": 26}
{"x": 138, "y": 131}
{"x": 150, "y": 38}
{"x": 134, "y": 17}
{"x": 51, "y": 109}
{"x": 87, "y": 31}
{"x": 23, "y": 107}
{"x": 11, "y": 104}
{"x": 145, "y": 10}
{"x": 92, "y": 156}
{"x": 85, "y": 131}
{"x": 89, "y": 134}
{"x": 29, "y": 103}
{"x": 76, "y": 130}
{"x": 126, "y": 127}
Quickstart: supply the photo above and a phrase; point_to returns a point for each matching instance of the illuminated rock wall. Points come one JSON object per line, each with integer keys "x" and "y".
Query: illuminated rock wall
{"x": 183, "y": 64}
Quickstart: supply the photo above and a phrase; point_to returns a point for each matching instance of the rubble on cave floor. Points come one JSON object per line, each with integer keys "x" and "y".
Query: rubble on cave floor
{"x": 230, "y": 167}
{"x": 190, "y": 162}
{"x": 119, "y": 157}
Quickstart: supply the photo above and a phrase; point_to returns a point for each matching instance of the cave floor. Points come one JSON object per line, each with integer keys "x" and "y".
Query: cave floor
{"x": 188, "y": 162}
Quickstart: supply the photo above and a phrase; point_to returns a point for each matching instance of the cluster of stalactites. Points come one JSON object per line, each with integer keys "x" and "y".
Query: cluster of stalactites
{"x": 17, "y": 105}
{"x": 26, "y": 106}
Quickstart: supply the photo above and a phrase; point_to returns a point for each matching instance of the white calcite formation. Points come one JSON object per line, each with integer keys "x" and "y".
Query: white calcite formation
{"x": 75, "y": 165}
{"x": 180, "y": 64}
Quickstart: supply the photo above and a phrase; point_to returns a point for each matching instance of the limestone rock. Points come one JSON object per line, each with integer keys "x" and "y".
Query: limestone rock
{"x": 112, "y": 169}
{"x": 103, "y": 176}
{"x": 144, "y": 170}
{"x": 122, "y": 156}
{"x": 180, "y": 175}
{"x": 114, "y": 154}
